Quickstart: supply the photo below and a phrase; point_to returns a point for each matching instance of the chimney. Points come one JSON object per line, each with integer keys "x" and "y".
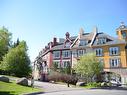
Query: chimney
{"x": 67, "y": 35}
{"x": 54, "y": 41}
{"x": 81, "y": 32}
{"x": 50, "y": 45}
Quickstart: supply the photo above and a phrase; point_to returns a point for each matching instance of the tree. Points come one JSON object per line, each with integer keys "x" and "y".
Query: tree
{"x": 17, "y": 61}
{"x": 67, "y": 70}
{"x": 5, "y": 41}
{"x": 16, "y": 43}
{"x": 88, "y": 66}
{"x": 54, "y": 66}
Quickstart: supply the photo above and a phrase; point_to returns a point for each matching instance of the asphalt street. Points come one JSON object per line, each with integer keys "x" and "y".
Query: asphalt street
{"x": 58, "y": 89}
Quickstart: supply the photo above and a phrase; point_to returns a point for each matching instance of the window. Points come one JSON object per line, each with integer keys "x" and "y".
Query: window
{"x": 99, "y": 52}
{"x": 67, "y": 44}
{"x": 56, "y": 54}
{"x": 115, "y": 62}
{"x": 113, "y": 50}
{"x": 81, "y": 52}
{"x": 101, "y": 41}
{"x": 66, "y": 54}
{"x": 65, "y": 64}
{"x": 83, "y": 42}
{"x": 57, "y": 63}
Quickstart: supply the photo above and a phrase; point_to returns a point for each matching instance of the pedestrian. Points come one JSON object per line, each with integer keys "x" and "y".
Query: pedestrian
{"x": 68, "y": 84}
{"x": 32, "y": 81}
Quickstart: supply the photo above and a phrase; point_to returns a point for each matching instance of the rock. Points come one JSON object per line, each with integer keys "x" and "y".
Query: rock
{"x": 80, "y": 83}
{"x": 4, "y": 79}
{"x": 22, "y": 81}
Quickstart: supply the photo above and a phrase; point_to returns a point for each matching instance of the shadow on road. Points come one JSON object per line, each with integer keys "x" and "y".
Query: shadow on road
{"x": 111, "y": 88}
{"x": 34, "y": 93}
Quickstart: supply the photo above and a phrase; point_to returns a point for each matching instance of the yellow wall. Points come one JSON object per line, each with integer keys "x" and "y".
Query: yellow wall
{"x": 119, "y": 35}
{"x": 106, "y": 56}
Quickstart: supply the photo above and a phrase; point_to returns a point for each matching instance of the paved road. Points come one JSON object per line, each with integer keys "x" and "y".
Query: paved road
{"x": 57, "y": 89}
{"x": 49, "y": 87}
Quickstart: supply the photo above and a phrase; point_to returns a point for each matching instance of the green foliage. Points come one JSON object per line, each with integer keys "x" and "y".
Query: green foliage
{"x": 54, "y": 66}
{"x": 88, "y": 66}
{"x": 5, "y": 42}
{"x": 66, "y": 70}
{"x": 94, "y": 84}
{"x": 16, "y": 61}
{"x": 16, "y": 43}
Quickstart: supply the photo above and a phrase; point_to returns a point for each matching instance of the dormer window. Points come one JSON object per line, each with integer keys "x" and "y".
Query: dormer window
{"x": 68, "y": 41}
{"x": 83, "y": 42}
{"x": 101, "y": 41}
{"x": 67, "y": 44}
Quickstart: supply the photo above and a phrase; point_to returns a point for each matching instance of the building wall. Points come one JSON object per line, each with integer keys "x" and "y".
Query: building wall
{"x": 106, "y": 56}
{"x": 48, "y": 58}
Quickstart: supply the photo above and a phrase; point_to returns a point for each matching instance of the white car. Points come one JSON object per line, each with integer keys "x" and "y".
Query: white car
{"x": 115, "y": 83}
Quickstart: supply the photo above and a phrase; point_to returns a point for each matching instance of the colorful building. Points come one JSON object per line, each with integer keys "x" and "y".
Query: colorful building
{"x": 111, "y": 51}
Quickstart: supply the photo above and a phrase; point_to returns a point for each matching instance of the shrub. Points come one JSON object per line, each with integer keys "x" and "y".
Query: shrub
{"x": 58, "y": 77}
{"x": 55, "y": 76}
{"x": 94, "y": 84}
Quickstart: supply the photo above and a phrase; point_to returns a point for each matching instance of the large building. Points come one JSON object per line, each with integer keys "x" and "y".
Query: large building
{"x": 111, "y": 51}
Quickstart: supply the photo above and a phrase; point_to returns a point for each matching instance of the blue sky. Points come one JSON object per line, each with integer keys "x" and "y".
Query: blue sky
{"x": 38, "y": 21}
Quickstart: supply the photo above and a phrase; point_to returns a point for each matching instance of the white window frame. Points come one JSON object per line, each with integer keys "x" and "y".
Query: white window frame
{"x": 99, "y": 51}
{"x": 83, "y": 42}
{"x": 67, "y": 44}
{"x": 66, "y": 54}
{"x": 115, "y": 62}
{"x": 65, "y": 64}
{"x": 56, "y": 54}
{"x": 81, "y": 52}
{"x": 101, "y": 40}
{"x": 114, "y": 51}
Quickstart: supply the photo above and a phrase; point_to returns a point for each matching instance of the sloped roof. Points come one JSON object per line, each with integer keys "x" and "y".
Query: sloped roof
{"x": 88, "y": 36}
{"x": 61, "y": 45}
{"x": 111, "y": 40}
{"x": 85, "y": 36}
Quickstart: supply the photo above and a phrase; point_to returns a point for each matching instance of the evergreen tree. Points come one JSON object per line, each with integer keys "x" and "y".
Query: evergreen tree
{"x": 16, "y": 43}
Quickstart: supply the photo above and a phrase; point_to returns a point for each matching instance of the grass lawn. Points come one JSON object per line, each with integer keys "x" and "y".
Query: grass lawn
{"x": 14, "y": 89}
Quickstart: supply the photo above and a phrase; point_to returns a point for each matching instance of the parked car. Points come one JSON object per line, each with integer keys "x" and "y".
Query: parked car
{"x": 115, "y": 83}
